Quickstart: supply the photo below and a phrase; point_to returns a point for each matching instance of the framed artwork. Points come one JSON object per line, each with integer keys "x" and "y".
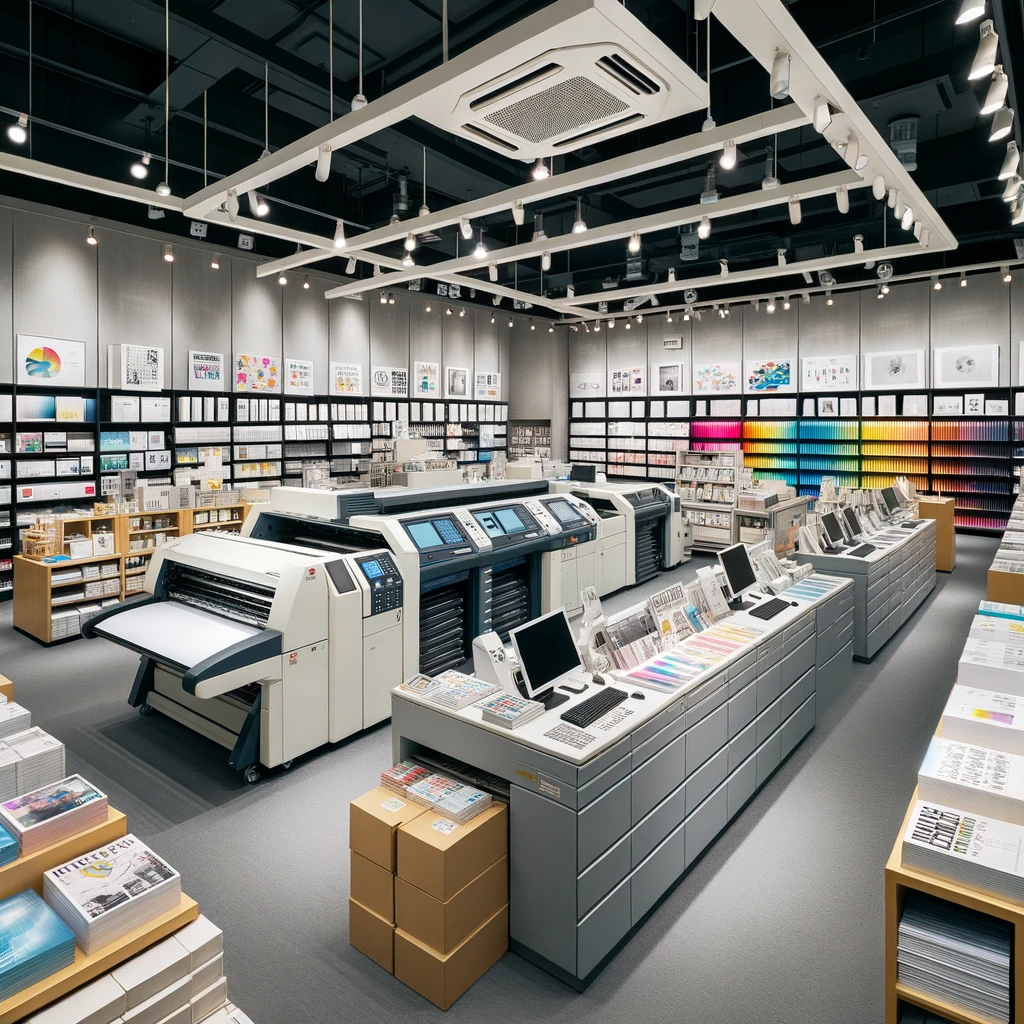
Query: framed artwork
{"x": 828, "y": 407}
{"x": 389, "y": 380}
{"x": 630, "y": 380}
{"x": 829, "y": 373}
{"x": 768, "y": 375}
{"x": 974, "y": 366}
{"x": 135, "y": 368}
{"x": 298, "y": 376}
{"x": 587, "y": 384}
{"x": 256, "y": 373}
{"x": 894, "y": 370}
{"x": 425, "y": 379}
{"x": 974, "y": 405}
{"x": 456, "y": 382}
{"x": 670, "y": 379}
{"x": 487, "y": 386}
{"x": 205, "y": 371}
{"x": 716, "y": 378}
{"x": 949, "y": 405}
{"x": 346, "y": 379}
{"x": 50, "y": 362}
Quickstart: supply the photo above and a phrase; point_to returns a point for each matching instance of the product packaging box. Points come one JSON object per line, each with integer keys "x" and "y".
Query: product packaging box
{"x": 440, "y": 856}
{"x": 373, "y": 887}
{"x": 374, "y": 819}
{"x": 203, "y": 940}
{"x": 442, "y": 926}
{"x": 96, "y": 1003}
{"x": 150, "y": 972}
{"x": 371, "y": 935}
{"x": 6, "y": 688}
{"x": 443, "y": 977}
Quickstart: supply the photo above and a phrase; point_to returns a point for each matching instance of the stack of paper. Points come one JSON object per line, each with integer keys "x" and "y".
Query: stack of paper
{"x": 455, "y": 694}
{"x": 453, "y": 799}
{"x": 969, "y": 848}
{"x": 509, "y": 711}
{"x": 990, "y": 719}
{"x": 34, "y": 943}
{"x": 14, "y": 718}
{"x": 1000, "y": 628}
{"x": 54, "y": 813}
{"x": 956, "y": 954}
{"x": 111, "y": 891}
{"x": 992, "y": 665}
{"x": 975, "y": 779}
{"x": 40, "y": 760}
{"x": 402, "y": 776}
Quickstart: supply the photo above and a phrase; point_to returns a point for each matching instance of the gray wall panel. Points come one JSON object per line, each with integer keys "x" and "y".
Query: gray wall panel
{"x": 306, "y": 326}
{"x": 255, "y": 313}
{"x": 134, "y": 295}
{"x": 1016, "y": 330}
{"x": 976, "y": 315}
{"x": 486, "y": 344}
{"x": 200, "y": 311}
{"x": 830, "y": 330}
{"x": 6, "y": 295}
{"x": 425, "y": 331}
{"x": 539, "y": 380}
{"x": 457, "y": 342}
{"x": 350, "y": 335}
{"x": 626, "y": 349}
{"x": 389, "y": 333}
{"x": 504, "y": 354}
{"x": 718, "y": 340}
{"x": 52, "y": 259}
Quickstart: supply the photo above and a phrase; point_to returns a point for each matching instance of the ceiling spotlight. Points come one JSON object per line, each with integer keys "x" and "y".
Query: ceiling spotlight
{"x": 215, "y": 262}
{"x": 545, "y": 262}
{"x": 18, "y": 132}
{"x": 727, "y": 161}
{"x": 936, "y": 283}
{"x": 1010, "y": 162}
{"x": 668, "y": 317}
{"x": 858, "y": 245}
{"x": 540, "y": 170}
{"x": 702, "y": 9}
{"x": 881, "y": 293}
{"x": 350, "y": 267}
{"x": 780, "y": 76}
{"x": 884, "y": 289}
{"x": 140, "y": 168}
{"x": 597, "y": 327}
{"x": 770, "y": 179}
{"x": 1013, "y": 184}
{"x": 628, "y": 325}
{"x": 462, "y": 311}
{"x": 168, "y": 252}
{"x": 339, "y": 236}
{"x": 988, "y": 45}
{"x": 305, "y": 284}
{"x": 539, "y": 234}
{"x": 796, "y": 213}
{"x": 493, "y": 318}
{"x": 495, "y": 300}
{"x": 826, "y": 278}
{"x": 786, "y": 303}
{"x": 257, "y": 204}
{"x": 391, "y": 299}
{"x": 533, "y": 326}
{"x": 91, "y": 239}
{"x": 843, "y": 199}
{"x": 639, "y": 318}
{"x": 901, "y": 207}
{"x": 579, "y": 225}
{"x": 163, "y": 189}
{"x": 359, "y": 101}
{"x": 232, "y": 206}
{"x": 963, "y": 279}
{"x": 852, "y": 154}
{"x": 671, "y": 274}
{"x": 408, "y": 261}
{"x": 892, "y": 198}
{"x": 466, "y": 227}
{"x": 878, "y": 187}
{"x": 480, "y": 252}
{"x": 907, "y": 220}
{"x": 686, "y": 316}
{"x": 376, "y": 270}
{"x": 394, "y": 219}
{"x": 996, "y": 95}
{"x": 428, "y": 307}
{"x": 828, "y": 299}
{"x": 410, "y": 241}
{"x": 724, "y": 267}
{"x": 704, "y": 228}
{"x": 519, "y": 212}
{"x": 383, "y": 298}
{"x": 771, "y": 305}
{"x": 448, "y": 311}
{"x": 492, "y": 271}
{"x": 510, "y": 321}
{"x": 634, "y": 242}
{"x": 971, "y": 10}
{"x": 780, "y": 255}
{"x": 822, "y": 114}
{"x": 918, "y": 230}
{"x": 1002, "y": 123}
{"x": 1007, "y": 276}
{"x": 323, "y": 162}
{"x": 282, "y": 280}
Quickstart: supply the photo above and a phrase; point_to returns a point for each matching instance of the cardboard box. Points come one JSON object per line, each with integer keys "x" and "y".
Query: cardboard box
{"x": 373, "y": 823}
{"x": 371, "y": 935}
{"x": 6, "y": 687}
{"x": 150, "y": 972}
{"x": 443, "y": 977}
{"x": 97, "y": 1003}
{"x": 439, "y": 856}
{"x": 212, "y": 997}
{"x": 203, "y": 940}
{"x": 165, "y": 1003}
{"x": 206, "y": 975}
{"x": 443, "y": 926}
{"x": 373, "y": 887}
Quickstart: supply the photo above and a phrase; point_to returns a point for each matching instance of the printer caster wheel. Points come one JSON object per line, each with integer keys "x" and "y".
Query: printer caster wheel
{"x": 287, "y": 764}
{"x": 145, "y": 710}
{"x": 252, "y": 775}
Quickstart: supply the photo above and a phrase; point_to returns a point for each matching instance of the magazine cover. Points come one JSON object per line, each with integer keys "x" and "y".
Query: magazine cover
{"x": 42, "y": 805}
{"x": 111, "y": 876}
{"x": 34, "y": 942}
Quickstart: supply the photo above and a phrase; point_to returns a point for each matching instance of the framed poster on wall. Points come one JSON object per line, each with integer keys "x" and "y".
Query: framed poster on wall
{"x": 896, "y": 370}
{"x": 829, "y": 373}
{"x": 487, "y": 386}
{"x": 716, "y": 378}
{"x": 669, "y": 379}
{"x": 50, "y": 362}
{"x": 975, "y": 366}
{"x": 298, "y": 376}
{"x": 765, "y": 376}
{"x": 425, "y": 379}
{"x": 205, "y": 371}
{"x": 135, "y": 367}
{"x": 346, "y": 379}
{"x": 456, "y": 382}
{"x": 256, "y": 373}
{"x": 587, "y": 384}
{"x": 389, "y": 380}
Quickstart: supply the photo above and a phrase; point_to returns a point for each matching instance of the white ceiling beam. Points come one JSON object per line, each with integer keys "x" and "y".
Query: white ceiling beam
{"x": 691, "y": 147}
{"x": 744, "y": 203}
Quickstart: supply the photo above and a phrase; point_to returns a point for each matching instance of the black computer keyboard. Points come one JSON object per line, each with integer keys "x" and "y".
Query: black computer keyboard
{"x": 863, "y": 550}
{"x": 593, "y": 708}
{"x": 769, "y": 609}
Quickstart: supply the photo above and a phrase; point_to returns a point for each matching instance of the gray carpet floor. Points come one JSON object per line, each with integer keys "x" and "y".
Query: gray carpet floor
{"x": 779, "y": 923}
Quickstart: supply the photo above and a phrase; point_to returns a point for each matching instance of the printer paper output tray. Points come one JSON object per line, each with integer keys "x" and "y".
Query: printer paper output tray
{"x": 207, "y": 649}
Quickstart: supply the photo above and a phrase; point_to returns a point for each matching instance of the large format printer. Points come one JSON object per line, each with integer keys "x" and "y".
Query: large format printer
{"x": 642, "y": 529}
{"x": 469, "y": 566}
{"x": 267, "y": 649}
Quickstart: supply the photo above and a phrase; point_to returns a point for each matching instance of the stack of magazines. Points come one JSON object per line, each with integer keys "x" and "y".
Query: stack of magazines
{"x": 111, "y": 891}
{"x": 402, "y": 776}
{"x": 453, "y": 799}
{"x": 14, "y": 718}
{"x": 34, "y": 943}
{"x": 454, "y": 691}
{"x": 509, "y": 711}
{"x": 54, "y": 813}
{"x": 957, "y": 954}
{"x": 37, "y": 759}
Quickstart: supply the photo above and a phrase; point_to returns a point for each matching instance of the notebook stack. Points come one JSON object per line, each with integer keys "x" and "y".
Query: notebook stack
{"x": 34, "y": 943}
{"x": 454, "y": 691}
{"x": 402, "y": 776}
{"x": 39, "y": 760}
{"x": 453, "y": 799}
{"x": 956, "y": 954}
{"x": 13, "y": 718}
{"x": 509, "y": 711}
{"x": 111, "y": 891}
{"x": 54, "y": 813}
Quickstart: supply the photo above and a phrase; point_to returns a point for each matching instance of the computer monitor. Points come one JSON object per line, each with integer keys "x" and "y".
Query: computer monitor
{"x": 739, "y": 573}
{"x": 852, "y": 521}
{"x": 584, "y": 474}
{"x": 890, "y": 499}
{"x": 546, "y": 652}
{"x": 833, "y": 530}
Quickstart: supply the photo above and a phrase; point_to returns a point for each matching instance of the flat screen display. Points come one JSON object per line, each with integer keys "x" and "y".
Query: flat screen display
{"x": 584, "y": 474}
{"x": 738, "y": 570}
{"x": 546, "y": 650}
{"x": 489, "y": 523}
{"x": 889, "y": 497}
{"x": 424, "y": 536}
{"x": 509, "y": 520}
{"x": 832, "y": 527}
{"x": 852, "y": 520}
{"x": 371, "y": 570}
{"x": 563, "y": 512}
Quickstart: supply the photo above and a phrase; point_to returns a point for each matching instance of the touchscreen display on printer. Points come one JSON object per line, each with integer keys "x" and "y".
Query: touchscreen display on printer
{"x": 510, "y": 522}
{"x": 371, "y": 570}
{"x": 424, "y": 536}
{"x": 564, "y": 512}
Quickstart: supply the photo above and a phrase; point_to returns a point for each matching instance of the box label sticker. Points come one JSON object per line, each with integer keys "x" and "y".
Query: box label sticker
{"x": 526, "y": 775}
{"x": 550, "y": 789}
{"x": 392, "y": 805}
{"x": 445, "y": 827}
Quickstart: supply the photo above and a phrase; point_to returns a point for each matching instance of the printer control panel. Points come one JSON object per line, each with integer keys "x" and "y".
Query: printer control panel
{"x": 472, "y": 528}
{"x": 384, "y": 580}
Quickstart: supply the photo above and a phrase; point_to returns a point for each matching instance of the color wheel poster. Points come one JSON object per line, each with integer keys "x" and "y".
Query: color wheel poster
{"x": 51, "y": 362}
{"x": 255, "y": 373}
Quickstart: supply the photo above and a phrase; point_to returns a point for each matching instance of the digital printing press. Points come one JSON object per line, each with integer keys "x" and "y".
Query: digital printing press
{"x": 267, "y": 649}
{"x": 469, "y": 566}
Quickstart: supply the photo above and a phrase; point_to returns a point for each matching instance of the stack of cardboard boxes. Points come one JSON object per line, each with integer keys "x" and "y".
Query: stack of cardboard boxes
{"x": 429, "y": 896}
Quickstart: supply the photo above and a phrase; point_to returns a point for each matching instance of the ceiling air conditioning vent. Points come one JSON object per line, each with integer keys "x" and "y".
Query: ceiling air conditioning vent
{"x": 526, "y": 92}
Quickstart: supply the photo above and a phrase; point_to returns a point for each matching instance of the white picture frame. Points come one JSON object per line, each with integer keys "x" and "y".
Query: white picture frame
{"x": 894, "y": 371}
{"x": 50, "y": 362}
{"x": 205, "y": 370}
{"x": 711, "y": 377}
{"x": 966, "y": 366}
{"x": 670, "y": 379}
{"x": 298, "y": 377}
{"x": 456, "y": 382}
{"x": 346, "y": 379}
{"x": 426, "y": 379}
{"x": 829, "y": 373}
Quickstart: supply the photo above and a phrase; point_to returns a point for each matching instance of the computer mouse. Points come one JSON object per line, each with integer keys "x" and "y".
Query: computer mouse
{"x": 638, "y": 696}
{"x": 598, "y": 678}
{"x": 794, "y": 604}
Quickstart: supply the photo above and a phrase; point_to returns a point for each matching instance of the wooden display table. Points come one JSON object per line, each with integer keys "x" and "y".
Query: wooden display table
{"x": 900, "y": 879}
{"x": 941, "y": 510}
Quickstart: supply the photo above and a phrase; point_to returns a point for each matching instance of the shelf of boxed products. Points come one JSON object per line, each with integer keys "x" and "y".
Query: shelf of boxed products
{"x": 307, "y": 433}
{"x": 891, "y": 448}
{"x": 971, "y": 460}
{"x": 627, "y": 448}
{"x": 829, "y": 448}
{"x": 708, "y": 435}
{"x": 707, "y": 484}
{"x": 771, "y": 450}
{"x": 135, "y": 433}
{"x": 529, "y": 439}
{"x": 664, "y": 439}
